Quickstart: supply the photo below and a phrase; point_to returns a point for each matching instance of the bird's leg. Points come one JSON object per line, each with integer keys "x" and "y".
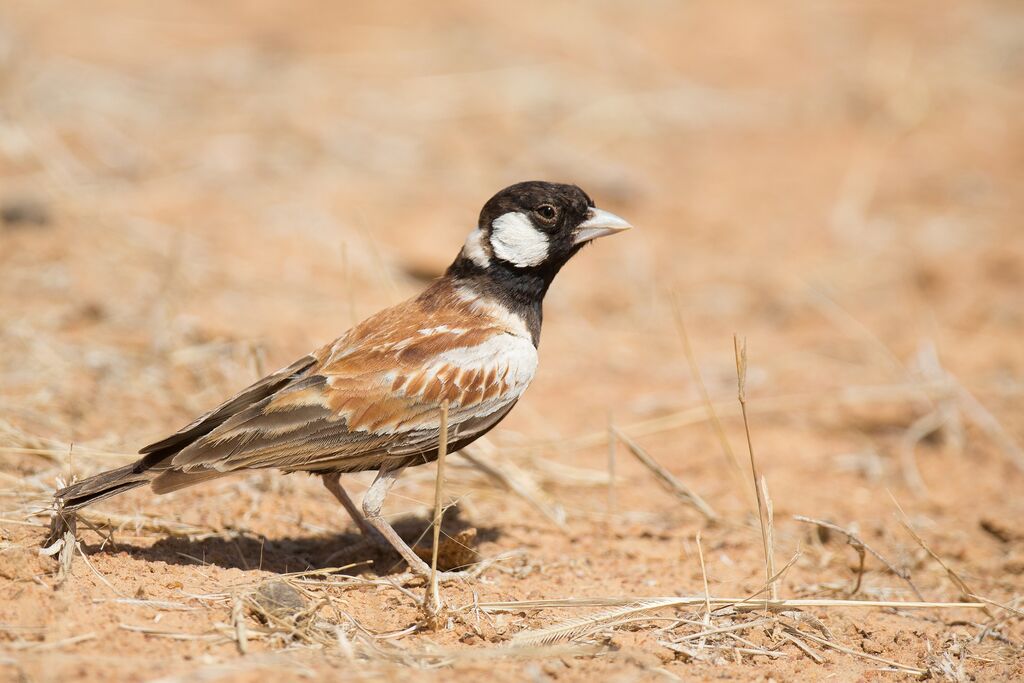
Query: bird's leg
{"x": 333, "y": 483}
{"x": 373, "y": 500}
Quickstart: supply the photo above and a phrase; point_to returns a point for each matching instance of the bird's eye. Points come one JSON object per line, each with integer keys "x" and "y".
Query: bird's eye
{"x": 547, "y": 212}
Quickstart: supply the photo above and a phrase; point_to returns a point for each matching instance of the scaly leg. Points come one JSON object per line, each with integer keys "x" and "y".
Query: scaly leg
{"x": 333, "y": 483}
{"x": 373, "y": 501}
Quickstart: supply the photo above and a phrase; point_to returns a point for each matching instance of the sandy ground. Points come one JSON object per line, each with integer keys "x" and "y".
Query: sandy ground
{"x": 193, "y": 193}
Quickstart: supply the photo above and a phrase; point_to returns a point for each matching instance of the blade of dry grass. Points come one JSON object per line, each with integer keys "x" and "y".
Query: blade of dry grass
{"x": 856, "y": 542}
{"x": 747, "y": 625}
{"x": 514, "y": 479}
{"x": 769, "y": 509}
{"x": 804, "y": 647}
{"x": 965, "y": 590}
{"x": 921, "y": 428}
{"x": 173, "y": 635}
{"x": 740, "y": 350}
{"x": 238, "y": 622}
{"x": 987, "y": 422}
{"x": 1012, "y": 610}
{"x": 52, "y": 645}
{"x": 152, "y": 604}
{"x": 844, "y": 320}
{"x": 824, "y": 642}
{"x": 581, "y": 627}
{"x": 906, "y": 392}
{"x": 691, "y": 358}
{"x": 671, "y": 483}
{"x": 704, "y": 577}
{"x": 586, "y": 626}
{"x": 432, "y": 604}
{"x": 780, "y": 604}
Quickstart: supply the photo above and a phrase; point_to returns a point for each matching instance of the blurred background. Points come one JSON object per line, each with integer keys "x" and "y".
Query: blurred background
{"x": 192, "y": 179}
{"x": 194, "y": 192}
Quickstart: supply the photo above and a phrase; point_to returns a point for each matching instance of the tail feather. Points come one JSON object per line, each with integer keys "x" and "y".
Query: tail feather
{"x": 155, "y": 466}
{"x": 88, "y": 491}
{"x": 103, "y": 485}
{"x": 175, "y": 480}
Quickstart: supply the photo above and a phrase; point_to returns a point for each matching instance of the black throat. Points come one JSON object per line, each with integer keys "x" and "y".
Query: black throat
{"x": 520, "y": 290}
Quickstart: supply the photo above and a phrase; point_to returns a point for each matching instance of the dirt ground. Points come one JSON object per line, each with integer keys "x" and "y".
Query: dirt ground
{"x": 192, "y": 193}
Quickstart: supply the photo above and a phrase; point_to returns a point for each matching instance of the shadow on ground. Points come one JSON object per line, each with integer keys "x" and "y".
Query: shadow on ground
{"x": 296, "y": 553}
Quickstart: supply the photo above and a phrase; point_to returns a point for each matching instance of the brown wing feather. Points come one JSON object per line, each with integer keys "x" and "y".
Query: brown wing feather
{"x": 207, "y": 422}
{"x": 375, "y": 394}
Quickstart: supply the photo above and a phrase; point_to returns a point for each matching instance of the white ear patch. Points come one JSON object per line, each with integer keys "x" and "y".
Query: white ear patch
{"x": 474, "y": 249}
{"x": 515, "y": 239}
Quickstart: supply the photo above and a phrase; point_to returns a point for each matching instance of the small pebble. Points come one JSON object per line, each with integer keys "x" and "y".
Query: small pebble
{"x": 23, "y": 212}
{"x": 279, "y": 599}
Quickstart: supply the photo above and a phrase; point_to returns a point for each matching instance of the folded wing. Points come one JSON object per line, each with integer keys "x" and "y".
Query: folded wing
{"x": 359, "y": 406}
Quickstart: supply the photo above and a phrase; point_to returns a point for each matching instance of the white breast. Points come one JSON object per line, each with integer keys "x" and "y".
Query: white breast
{"x": 512, "y": 357}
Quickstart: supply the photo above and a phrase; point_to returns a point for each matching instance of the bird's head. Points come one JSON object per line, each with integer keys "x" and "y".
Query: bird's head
{"x": 532, "y": 229}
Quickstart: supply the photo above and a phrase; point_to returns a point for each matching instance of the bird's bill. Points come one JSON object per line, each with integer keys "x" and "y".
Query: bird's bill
{"x": 600, "y": 223}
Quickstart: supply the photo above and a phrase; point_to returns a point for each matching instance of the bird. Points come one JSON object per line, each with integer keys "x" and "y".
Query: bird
{"x": 373, "y": 398}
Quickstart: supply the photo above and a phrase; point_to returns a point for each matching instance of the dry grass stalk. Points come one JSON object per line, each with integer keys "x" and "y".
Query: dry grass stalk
{"x": 66, "y": 555}
{"x": 676, "y": 487}
{"x": 151, "y": 604}
{"x": 691, "y": 358}
{"x": 907, "y": 392}
{"x": 515, "y": 479}
{"x": 52, "y": 645}
{"x": 139, "y": 522}
{"x": 432, "y": 604}
{"x": 737, "y": 652}
{"x": 631, "y": 610}
{"x": 741, "y": 392}
{"x": 1012, "y": 610}
{"x": 745, "y": 626}
{"x": 972, "y": 408}
{"x": 965, "y": 590}
{"x": 856, "y": 653}
{"x": 548, "y": 470}
{"x": 781, "y": 604}
{"x": 843, "y": 319}
{"x": 860, "y": 546}
{"x": 764, "y": 588}
{"x": 770, "y": 530}
{"x": 93, "y": 569}
{"x": 238, "y": 620}
{"x": 986, "y": 421}
{"x": 582, "y": 627}
{"x": 448, "y": 656}
{"x": 919, "y": 430}
{"x": 804, "y": 647}
{"x": 704, "y": 576}
{"x": 57, "y": 455}
{"x": 173, "y": 635}
{"x": 959, "y": 397}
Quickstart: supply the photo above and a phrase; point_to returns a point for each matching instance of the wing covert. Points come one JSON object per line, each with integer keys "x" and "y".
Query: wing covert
{"x": 375, "y": 401}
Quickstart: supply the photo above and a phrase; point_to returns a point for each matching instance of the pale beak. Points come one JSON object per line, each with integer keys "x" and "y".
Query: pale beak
{"x": 599, "y": 224}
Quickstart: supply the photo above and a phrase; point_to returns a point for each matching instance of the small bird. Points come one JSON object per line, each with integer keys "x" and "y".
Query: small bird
{"x": 372, "y": 399}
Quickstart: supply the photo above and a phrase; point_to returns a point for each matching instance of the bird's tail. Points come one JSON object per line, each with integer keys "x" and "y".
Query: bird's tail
{"x": 88, "y": 491}
{"x": 101, "y": 486}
